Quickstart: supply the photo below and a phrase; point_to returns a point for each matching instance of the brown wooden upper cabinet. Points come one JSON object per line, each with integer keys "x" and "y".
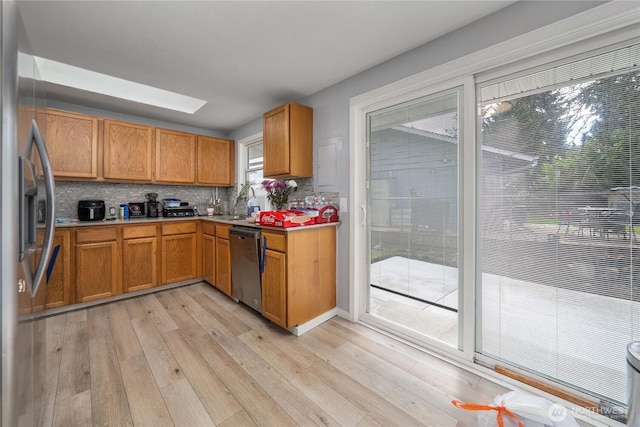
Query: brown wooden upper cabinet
{"x": 175, "y": 157}
{"x": 128, "y": 151}
{"x": 216, "y": 161}
{"x": 288, "y": 141}
{"x": 72, "y": 143}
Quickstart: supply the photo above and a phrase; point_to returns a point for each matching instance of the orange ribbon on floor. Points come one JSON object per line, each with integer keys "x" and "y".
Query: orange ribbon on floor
{"x": 502, "y": 411}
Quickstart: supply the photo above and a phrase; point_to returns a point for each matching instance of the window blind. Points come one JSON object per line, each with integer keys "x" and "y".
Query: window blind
{"x": 560, "y": 248}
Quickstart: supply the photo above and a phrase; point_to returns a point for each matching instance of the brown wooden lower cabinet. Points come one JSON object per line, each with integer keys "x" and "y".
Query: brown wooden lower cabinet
{"x": 223, "y": 259}
{"x": 98, "y": 265}
{"x": 209, "y": 252}
{"x": 58, "y": 290}
{"x": 274, "y": 287}
{"x": 299, "y": 278}
{"x": 139, "y": 257}
{"x": 179, "y": 252}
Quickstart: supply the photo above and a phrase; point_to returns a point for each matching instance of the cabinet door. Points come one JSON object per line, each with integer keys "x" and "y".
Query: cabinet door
{"x": 58, "y": 288}
{"x": 127, "y": 151}
{"x": 216, "y": 161}
{"x": 223, "y": 266}
{"x": 179, "y": 257}
{"x": 175, "y": 157}
{"x": 140, "y": 266}
{"x": 275, "y": 136}
{"x": 98, "y": 270}
{"x": 274, "y": 293}
{"x": 209, "y": 258}
{"x": 72, "y": 143}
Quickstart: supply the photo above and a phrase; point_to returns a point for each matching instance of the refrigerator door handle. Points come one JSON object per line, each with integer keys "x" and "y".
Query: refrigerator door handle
{"x": 35, "y": 279}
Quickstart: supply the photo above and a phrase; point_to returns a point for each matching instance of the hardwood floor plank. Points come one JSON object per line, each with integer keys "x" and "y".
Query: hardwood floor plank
{"x": 155, "y": 310}
{"x": 435, "y": 396}
{"x": 53, "y": 354}
{"x": 299, "y": 407}
{"x": 411, "y": 403}
{"x": 74, "y": 364}
{"x": 124, "y": 337}
{"x": 219, "y": 402}
{"x": 376, "y": 406}
{"x": 184, "y": 406}
{"x": 397, "y": 358}
{"x": 216, "y": 311}
{"x": 163, "y": 365}
{"x": 328, "y": 399}
{"x": 452, "y": 386}
{"x": 145, "y": 401}
{"x": 370, "y": 422}
{"x": 241, "y": 419}
{"x": 108, "y": 399}
{"x": 74, "y": 411}
{"x": 185, "y": 321}
{"x": 134, "y": 307}
{"x": 256, "y": 401}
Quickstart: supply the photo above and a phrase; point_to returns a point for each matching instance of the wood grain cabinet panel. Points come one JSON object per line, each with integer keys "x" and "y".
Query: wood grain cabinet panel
{"x": 209, "y": 258}
{"x": 175, "y": 157}
{"x": 288, "y": 141}
{"x": 58, "y": 288}
{"x": 216, "y": 161}
{"x": 274, "y": 287}
{"x": 72, "y": 143}
{"x": 179, "y": 252}
{"x": 223, "y": 265}
{"x": 299, "y": 279}
{"x": 128, "y": 150}
{"x": 98, "y": 270}
{"x": 139, "y": 257}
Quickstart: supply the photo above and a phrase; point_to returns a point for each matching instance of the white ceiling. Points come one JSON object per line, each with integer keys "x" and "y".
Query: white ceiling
{"x": 242, "y": 57}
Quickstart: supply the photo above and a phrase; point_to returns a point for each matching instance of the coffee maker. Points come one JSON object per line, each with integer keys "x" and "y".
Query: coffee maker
{"x": 152, "y": 204}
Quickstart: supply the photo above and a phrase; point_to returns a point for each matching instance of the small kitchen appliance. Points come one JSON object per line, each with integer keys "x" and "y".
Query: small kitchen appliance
{"x": 152, "y": 204}
{"x": 180, "y": 211}
{"x": 136, "y": 209}
{"x": 91, "y": 210}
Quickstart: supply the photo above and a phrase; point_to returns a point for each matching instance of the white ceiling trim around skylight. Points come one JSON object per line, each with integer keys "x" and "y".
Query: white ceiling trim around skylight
{"x": 79, "y": 78}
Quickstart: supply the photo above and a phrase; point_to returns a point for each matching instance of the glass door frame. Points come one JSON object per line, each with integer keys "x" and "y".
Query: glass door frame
{"x": 360, "y": 223}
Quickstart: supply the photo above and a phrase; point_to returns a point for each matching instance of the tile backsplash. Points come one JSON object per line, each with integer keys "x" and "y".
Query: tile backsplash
{"x": 68, "y": 193}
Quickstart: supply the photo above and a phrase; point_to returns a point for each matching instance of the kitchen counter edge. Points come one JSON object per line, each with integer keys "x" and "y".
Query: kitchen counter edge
{"x": 138, "y": 221}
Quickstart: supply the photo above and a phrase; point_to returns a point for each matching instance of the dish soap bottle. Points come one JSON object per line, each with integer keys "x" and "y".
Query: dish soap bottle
{"x": 252, "y": 206}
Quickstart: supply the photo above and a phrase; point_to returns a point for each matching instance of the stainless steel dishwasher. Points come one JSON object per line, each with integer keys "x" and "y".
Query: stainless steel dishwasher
{"x": 244, "y": 244}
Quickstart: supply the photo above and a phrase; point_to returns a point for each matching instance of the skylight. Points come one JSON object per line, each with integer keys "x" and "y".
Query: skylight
{"x": 79, "y": 78}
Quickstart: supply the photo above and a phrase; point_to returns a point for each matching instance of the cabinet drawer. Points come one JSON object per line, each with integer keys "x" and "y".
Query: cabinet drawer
{"x": 222, "y": 231}
{"x": 277, "y": 242}
{"x": 138, "y": 231}
{"x": 178, "y": 228}
{"x": 97, "y": 234}
{"x": 208, "y": 228}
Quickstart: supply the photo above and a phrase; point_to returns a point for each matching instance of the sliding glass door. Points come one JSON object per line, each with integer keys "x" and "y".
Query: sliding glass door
{"x": 560, "y": 220}
{"x": 413, "y": 227}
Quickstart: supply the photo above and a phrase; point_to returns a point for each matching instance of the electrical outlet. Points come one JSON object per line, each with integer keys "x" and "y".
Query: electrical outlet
{"x": 112, "y": 211}
{"x": 343, "y": 205}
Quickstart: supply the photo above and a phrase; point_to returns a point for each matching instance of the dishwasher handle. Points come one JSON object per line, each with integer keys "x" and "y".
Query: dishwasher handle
{"x": 263, "y": 257}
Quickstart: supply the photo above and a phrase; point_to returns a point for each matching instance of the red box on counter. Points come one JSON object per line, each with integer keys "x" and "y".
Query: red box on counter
{"x": 284, "y": 219}
{"x": 323, "y": 215}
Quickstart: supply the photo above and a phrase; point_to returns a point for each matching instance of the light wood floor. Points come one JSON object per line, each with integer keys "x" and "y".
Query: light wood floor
{"x": 191, "y": 356}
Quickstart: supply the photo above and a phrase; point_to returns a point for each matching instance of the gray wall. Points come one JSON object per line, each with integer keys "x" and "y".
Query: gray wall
{"x": 331, "y": 105}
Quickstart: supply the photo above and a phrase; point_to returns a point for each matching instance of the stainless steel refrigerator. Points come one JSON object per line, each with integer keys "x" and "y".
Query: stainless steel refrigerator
{"x": 26, "y": 251}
